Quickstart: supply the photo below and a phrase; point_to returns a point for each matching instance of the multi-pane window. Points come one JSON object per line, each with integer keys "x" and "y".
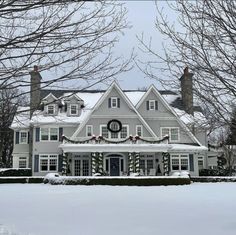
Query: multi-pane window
{"x": 51, "y": 109}
{"x": 124, "y": 132}
{"x": 172, "y": 132}
{"x": 73, "y": 109}
{"x": 104, "y": 131}
{"x": 200, "y": 163}
{"x": 115, "y": 135}
{"x": 23, "y": 137}
{"x": 179, "y": 162}
{"x": 48, "y": 162}
{"x": 89, "y": 130}
{"x": 139, "y": 130}
{"x": 151, "y": 104}
{"x": 49, "y": 134}
{"x": 22, "y": 162}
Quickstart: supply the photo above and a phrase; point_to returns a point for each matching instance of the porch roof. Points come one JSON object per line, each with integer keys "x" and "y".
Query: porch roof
{"x": 171, "y": 148}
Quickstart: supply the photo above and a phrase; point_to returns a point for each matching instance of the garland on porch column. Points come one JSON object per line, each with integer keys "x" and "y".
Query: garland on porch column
{"x": 131, "y": 163}
{"x": 100, "y": 163}
{"x": 64, "y": 164}
{"x": 137, "y": 158}
{"x": 93, "y": 163}
{"x": 166, "y": 163}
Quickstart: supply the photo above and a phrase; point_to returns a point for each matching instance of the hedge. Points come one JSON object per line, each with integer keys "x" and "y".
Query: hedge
{"x": 214, "y": 179}
{"x": 21, "y": 180}
{"x": 120, "y": 181}
{"x": 18, "y": 172}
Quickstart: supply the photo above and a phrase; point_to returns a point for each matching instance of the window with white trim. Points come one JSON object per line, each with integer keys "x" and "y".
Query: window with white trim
{"x": 114, "y": 135}
{"x": 89, "y": 130}
{"x": 48, "y": 162}
{"x": 139, "y": 130}
{"x": 51, "y": 109}
{"x": 74, "y": 109}
{"x": 23, "y": 137}
{"x": 49, "y": 134}
{"x": 172, "y": 132}
{"x": 22, "y": 162}
{"x": 179, "y": 162}
{"x": 151, "y": 104}
{"x": 200, "y": 163}
{"x": 114, "y": 102}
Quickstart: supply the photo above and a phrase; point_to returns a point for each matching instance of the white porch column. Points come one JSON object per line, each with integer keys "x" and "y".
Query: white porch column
{"x": 64, "y": 164}
{"x": 166, "y": 163}
{"x": 94, "y": 163}
{"x": 100, "y": 163}
{"x": 131, "y": 163}
{"x": 137, "y": 158}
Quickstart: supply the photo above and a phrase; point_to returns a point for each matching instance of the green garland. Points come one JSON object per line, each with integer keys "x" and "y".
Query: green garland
{"x": 98, "y": 139}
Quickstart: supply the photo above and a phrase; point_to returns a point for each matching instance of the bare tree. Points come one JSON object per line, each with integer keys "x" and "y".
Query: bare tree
{"x": 71, "y": 40}
{"x": 205, "y": 41}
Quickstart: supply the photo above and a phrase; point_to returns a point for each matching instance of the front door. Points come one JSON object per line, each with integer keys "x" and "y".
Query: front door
{"x": 114, "y": 166}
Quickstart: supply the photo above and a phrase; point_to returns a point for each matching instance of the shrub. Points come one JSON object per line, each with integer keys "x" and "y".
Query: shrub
{"x": 15, "y": 172}
{"x": 217, "y": 172}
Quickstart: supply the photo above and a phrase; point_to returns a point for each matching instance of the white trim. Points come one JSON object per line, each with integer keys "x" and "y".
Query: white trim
{"x": 115, "y": 155}
{"x": 102, "y": 99}
{"x": 49, "y": 134}
{"x": 115, "y": 116}
{"x": 149, "y": 104}
{"x": 87, "y": 126}
{"x": 170, "y": 139}
{"x": 77, "y": 109}
{"x": 49, "y": 95}
{"x": 109, "y": 133}
{"x": 48, "y": 158}
{"x": 26, "y": 142}
{"x": 136, "y": 129}
{"x": 179, "y": 156}
{"x": 54, "y": 109}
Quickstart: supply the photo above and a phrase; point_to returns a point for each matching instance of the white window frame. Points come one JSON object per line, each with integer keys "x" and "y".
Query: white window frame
{"x": 153, "y": 102}
{"x": 87, "y": 131}
{"x": 116, "y": 103}
{"x": 119, "y": 133}
{"x": 22, "y": 159}
{"x": 48, "y": 157}
{"x": 179, "y": 157}
{"x": 54, "y": 109}
{"x": 139, "y": 126}
{"x": 77, "y": 109}
{"x": 26, "y": 139}
{"x": 49, "y": 134}
{"x": 169, "y": 128}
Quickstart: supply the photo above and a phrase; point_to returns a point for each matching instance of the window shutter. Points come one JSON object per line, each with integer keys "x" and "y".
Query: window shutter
{"x": 60, "y": 163}
{"x": 147, "y": 104}
{"x": 37, "y": 134}
{"x": 118, "y": 102}
{"x": 28, "y": 137}
{"x": 191, "y": 162}
{"x": 17, "y": 137}
{"x": 60, "y": 133}
{"x": 156, "y": 105}
{"x": 36, "y": 163}
{"x": 109, "y": 103}
{"x": 169, "y": 169}
{"x": 65, "y": 107}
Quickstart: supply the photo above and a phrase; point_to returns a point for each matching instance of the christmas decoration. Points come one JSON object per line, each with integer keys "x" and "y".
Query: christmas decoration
{"x": 166, "y": 163}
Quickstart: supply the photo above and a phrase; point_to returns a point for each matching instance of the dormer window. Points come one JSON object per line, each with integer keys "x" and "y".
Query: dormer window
{"x": 114, "y": 102}
{"x": 51, "y": 109}
{"x": 73, "y": 109}
{"x": 152, "y": 105}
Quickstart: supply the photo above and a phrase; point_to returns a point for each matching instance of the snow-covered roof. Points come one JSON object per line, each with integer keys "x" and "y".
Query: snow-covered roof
{"x": 22, "y": 118}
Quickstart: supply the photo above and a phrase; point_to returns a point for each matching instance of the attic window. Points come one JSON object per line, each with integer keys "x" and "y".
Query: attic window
{"x": 114, "y": 102}
{"x": 51, "y": 109}
{"x": 152, "y": 105}
{"x": 73, "y": 109}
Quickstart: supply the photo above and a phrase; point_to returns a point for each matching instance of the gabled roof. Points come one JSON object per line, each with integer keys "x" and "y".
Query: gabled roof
{"x": 129, "y": 103}
{"x": 50, "y": 95}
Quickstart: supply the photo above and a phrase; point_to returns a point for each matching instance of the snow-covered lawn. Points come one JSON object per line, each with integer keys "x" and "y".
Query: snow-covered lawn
{"x": 197, "y": 209}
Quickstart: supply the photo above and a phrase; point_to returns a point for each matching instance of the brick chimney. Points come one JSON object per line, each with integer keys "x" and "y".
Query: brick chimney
{"x": 35, "y": 81}
{"x": 187, "y": 90}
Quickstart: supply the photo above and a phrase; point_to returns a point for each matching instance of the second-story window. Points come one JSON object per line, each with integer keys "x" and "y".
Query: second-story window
{"x": 89, "y": 130}
{"x": 74, "y": 109}
{"x": 51, "y": 109}
{"x": 172, "y": 132}
{"x": 49, "y": 134}
{"x": 23, "y": 137}
{"x": 139, "y": 130}
{"x": 152, "y": 105}
{"x": 114, "y": 102}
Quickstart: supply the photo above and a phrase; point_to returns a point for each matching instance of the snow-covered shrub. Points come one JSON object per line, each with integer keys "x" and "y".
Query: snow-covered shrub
{"x": 6, "y": 172}
{"x": 49, "y": 177}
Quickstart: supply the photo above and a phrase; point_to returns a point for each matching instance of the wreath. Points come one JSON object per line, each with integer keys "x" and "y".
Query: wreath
{"x": 111, "y": 129}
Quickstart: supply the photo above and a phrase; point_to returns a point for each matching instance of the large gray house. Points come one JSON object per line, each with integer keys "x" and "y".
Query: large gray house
{"x": 114, "y": 132}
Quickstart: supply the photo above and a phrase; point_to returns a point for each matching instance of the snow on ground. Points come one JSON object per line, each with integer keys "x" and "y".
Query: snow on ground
{"x": 196, "y": 209}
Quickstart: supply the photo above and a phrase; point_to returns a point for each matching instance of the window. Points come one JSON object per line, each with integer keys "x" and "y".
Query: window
{"x": 179, "y": 162}
{"x": 22, "y": 162}
{"x": 50, "y": 134}
{"x": 114, "y": 102}
{"x": 112, "y": 135}
{"x": 74, "y": 109}
{"x": 152, "y": 105}
{"x": 48, "y": 162}
{"x": 139, "y": 130}
{"x": 51, "y": 109}
{"x": 89, "y": 130}
{"x": 23, "y": 137}
{"x": 200, "y": 163}
{"x": 172, "y": 132}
